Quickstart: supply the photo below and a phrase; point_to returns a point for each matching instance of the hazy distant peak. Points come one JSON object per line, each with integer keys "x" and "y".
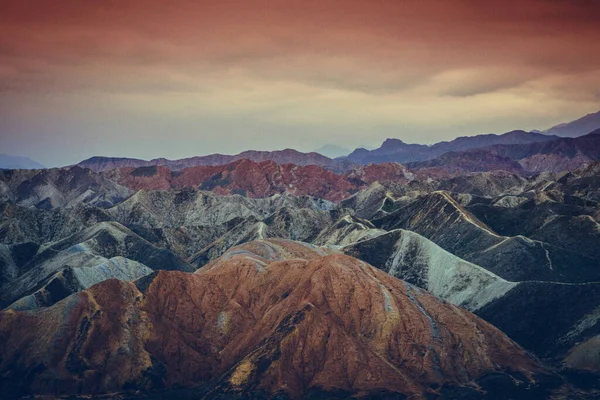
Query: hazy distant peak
{"x": 17, "y": 162}
{"x": 392, "y": 142}
{"x": 579, "y": 127}
{"x": 333, "y": 151}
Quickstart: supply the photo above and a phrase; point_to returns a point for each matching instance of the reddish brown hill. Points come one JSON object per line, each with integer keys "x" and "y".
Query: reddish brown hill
{"x": 261, "y": 179}
{"x": 287, "y": 156}
{"x": 276, "y": 317}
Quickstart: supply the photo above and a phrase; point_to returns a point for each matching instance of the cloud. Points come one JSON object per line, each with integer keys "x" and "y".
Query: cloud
{"x": 360, "y": 70}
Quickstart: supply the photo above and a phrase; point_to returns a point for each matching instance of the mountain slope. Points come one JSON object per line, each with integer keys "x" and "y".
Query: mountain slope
{"x": 245, "y": 177}
{"x": 555, "y": 156}
{"x": 287, "y": 156}
{"x": 410, "y": 257}
{"x": 67, "y": 187}
{"x": 579, "y": 127}
{"x": 73, "y": 279}
{"x": 440, "y": 218}
{"x": 285, "y": 328}
{"x": 469, "y": 161}
{"x": 394, "y": 150}
{"x": 17, "y": 162}
{"x": 86, "y": 249}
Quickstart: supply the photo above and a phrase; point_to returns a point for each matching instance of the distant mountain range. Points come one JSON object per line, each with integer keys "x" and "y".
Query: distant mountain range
{"x": 287, "y": 156}
{"x": 465, "y": 274}
{"x": 516, "y": 151}
{"x": 392, "y": 150}
{"x": 579, "y": 127}
{"x": 395, "y": 150}
{"x": 16, "y": 162}
{"x": 558, "y": 155}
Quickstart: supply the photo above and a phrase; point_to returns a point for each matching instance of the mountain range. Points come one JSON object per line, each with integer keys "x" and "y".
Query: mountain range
{"x": 491, "y": 243}
{"x": 395, "y": 150}
{"x": 287, "y": 156}
{"x": 516, "y": 151}
{"x": 579, "y": 127}
{"x": 472, "y": 271}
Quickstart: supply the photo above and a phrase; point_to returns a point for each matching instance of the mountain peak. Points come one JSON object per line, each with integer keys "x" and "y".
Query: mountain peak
{"x": 17, "y": 162}
{"x": 392, "y": 142}
{"x": 332, "y": 151}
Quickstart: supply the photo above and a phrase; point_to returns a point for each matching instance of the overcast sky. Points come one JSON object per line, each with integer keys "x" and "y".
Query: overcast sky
{"x": 151, "y": 78}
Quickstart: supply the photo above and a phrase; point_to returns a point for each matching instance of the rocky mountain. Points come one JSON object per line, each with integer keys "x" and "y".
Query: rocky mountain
{"x": 413, "y": 258}
{"x": 244, "y": 177}
{"x": 41, "y": 270}
{"x": 395, "y": 150}
{"x": 480, "y": 160}
{"x": 99, "y": 163}
{"x": 391, "y": 150}
{"x": 566, "y": 329}
{"x": 478, "y": 141}
{"x": 554, "y": 156}
{"x": 579, "y": 127}
{"x": 287, "y": 156}
{"x": 273, "y": 318}
{"x": 71, "y": 280}
{"x": 520, "y": 251}
{"x": 557, "y": 155}
{"x": 440, "y": 218}
{"x": 73, "y": 186}
{"x": 526, "y": 148}
{"x": 56, "y": 188}
{"x": 518, "y": 152}
{"x": 17, "y": 162}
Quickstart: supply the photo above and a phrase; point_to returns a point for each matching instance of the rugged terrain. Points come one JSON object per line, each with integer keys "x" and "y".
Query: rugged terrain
{"x": 395, "y": 150}
{"x": 287, "y": 156}
{"x": 101, "y": 263}
{"x": 272, "y": 317}
{"x": 579, "y": 127}
{"x": 516, "y": 151}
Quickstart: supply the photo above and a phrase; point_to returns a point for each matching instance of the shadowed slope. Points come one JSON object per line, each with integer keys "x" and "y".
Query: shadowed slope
{"x": 441, "y": 219}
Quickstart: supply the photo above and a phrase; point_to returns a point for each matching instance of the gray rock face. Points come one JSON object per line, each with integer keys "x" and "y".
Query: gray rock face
{"x": 82, "y": 251}
{"x": 411, "y": 257}
{"x": 369, "y": 202}
{"x": 53, "y": 188}
{"x": 8, "y": 269}
{"x": 71, "y": 280}
{"x": 440, "y": 218}
{"x": 348, "y": 230}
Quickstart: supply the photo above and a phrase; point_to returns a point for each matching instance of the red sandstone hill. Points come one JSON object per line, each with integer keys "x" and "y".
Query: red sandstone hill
{"x": 272, "y": 318}
{"x": 287, "y": 156}
{"x": 261, "y": 179}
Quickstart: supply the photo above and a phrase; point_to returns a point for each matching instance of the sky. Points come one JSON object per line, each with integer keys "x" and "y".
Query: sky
{"x": 151, "y": 78}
